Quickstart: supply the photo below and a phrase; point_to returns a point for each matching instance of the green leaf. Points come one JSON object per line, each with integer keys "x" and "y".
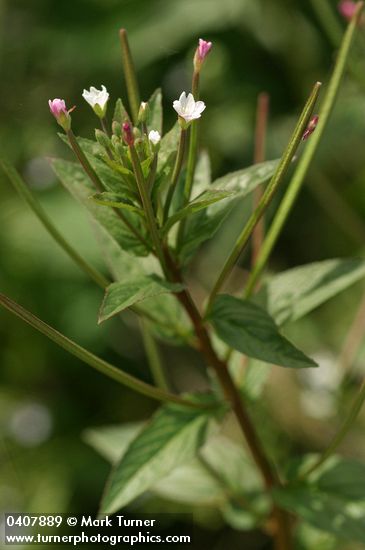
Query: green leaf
{"x": 121, "y": 295}
{"x": 168, "y": 145}
{"x": 170, "y": 439}
{"x": 203, "y": 225}
{"x": 202, "y": 175}
{"x": 189, "y": 483}
{"x": 249, "y": 329}
{"x": 114, "y": 177}
{"x": 292, "y": 294}
{"x": 329, "y": 513}
{"x": 78, "y": 184}
{"x": 120, "y": 114}
{"x": 331, "y": 499}
{"x": 115, "y": 200}
{"x": 155, "y": 105}
{"x": 202, "y": 201}
{"x": 112, "y": 442}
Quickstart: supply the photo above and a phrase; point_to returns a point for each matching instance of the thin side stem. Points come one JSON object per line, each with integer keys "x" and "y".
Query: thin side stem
{"x": 193, "y": 143}
{"x": 153, "y": 356}
{"x": 130, "y": 76}
{"x": 25, "y": 193}
{"x": 341, "y": 434}
{"x": 90, "y": 359}
{"x": 176, "y": 173}
{"x": 262, "y": 114}
{"x": 304, "y": 163}
{"x": 266, "y": 198}
{"x": 147, "y": 205}
{"x": 80, "y": 155}
{"x": 192, "y": 156}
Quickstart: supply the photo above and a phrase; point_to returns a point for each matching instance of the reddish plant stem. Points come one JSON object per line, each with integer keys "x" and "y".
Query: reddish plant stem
{"x": 259, "y": 156}
{"x": 268, "y": 471}
{"x": 222, "y": 372}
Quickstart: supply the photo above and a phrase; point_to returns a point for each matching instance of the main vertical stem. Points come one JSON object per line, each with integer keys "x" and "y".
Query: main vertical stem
{"x": 268, "y": 471}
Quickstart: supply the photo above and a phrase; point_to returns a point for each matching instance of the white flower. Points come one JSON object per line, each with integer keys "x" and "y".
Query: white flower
{"x": 187, "y": 108}
{"x": 97, "y": 99}
{"x": 154, "y": 137}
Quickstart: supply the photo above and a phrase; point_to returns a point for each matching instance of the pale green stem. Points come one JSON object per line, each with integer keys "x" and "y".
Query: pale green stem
{"x": 304, "y": 163}
{"x": 89, "y": 170}
{"x": 25, "y": 193}
{"x": 176, "y": 173}
{"x": 147, "y": 206}
{"x": 341, "y": 434}
{"x": 130, "y": 76}
{"x": 91, "y": 359}
{"x": 266, "y": 198}
{"x": 153, "y": 356}
{"x": 192, "y": 156}
{"x": 193, "y": 144}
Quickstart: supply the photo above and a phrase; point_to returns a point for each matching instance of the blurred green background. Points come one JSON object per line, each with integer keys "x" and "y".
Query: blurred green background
{"x": 53, "y": 49}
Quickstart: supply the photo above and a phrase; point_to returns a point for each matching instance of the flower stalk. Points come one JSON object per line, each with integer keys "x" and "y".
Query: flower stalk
{"x": 301, "y": 171}
{"x": 268, "y": 194}
{"x": 176, "y": 173}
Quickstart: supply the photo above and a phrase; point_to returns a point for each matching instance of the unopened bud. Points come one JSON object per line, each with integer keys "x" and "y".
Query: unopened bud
{"x": 102, "y": 139}
{"x": 60, "y": 112}
{"x": 347, "y": 9}
{"x": 128, "y": 135}
{"x": 117, "y": 128}
{"x": 144, "y": 112}
{"x": 312, "y": 125}
{"x": 201, "y": 53}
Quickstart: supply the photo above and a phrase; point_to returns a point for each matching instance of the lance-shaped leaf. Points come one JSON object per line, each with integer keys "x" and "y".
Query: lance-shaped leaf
{"x": 292, "y": 294}
{"x": 115, "y": 200}
{"x": 332, "y": 499}
{"x": 200, "y": 203}
{"x": 78, "y": 184}
{"x": 190, "y": 483}
{"x": 155, "y": 105}
{"x": 120, "y": 114}
{"x": 119, "y": 296}
{"x": 171, "y": 439}
{"x": 249, "y": 329}
{"x": 203, "y": 225}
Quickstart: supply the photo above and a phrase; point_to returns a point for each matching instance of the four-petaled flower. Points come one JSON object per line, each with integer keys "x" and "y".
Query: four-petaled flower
{"x": 154, "y": 137}
{"x": 59, "y": 111}
{"x": 188, "y": 109}
{"x": 347, "y": 9}
{"x": 97, "y": 99}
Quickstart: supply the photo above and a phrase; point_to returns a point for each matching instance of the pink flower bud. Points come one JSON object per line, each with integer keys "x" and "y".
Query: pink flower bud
{"x": 312, "y": 125}
{"x": 201, "y": 53}
{"x": 347, "y": 9}
{"x": 60, "y": 112}
{"x": 57, "y": 106}
{"x": 128, "y": 133}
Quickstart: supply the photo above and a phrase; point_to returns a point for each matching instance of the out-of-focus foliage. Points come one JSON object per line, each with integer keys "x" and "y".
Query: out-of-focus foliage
{"x": 55, "y": 49}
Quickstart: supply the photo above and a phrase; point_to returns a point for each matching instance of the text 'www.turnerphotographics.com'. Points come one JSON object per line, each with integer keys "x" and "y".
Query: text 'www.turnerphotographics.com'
{"x": 117, "y": 530}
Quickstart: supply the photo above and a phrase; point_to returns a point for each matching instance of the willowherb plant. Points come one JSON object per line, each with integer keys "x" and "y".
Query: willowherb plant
{"x": 140, "y": 188}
